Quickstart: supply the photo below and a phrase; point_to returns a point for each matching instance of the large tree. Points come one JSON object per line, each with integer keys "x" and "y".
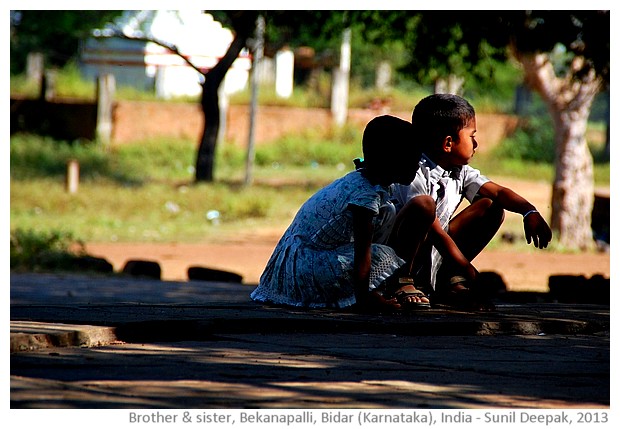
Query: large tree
{"x": 565, "y": 58}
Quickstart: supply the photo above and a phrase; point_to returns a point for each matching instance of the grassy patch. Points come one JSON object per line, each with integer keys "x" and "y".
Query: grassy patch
{"x": 40, "y": 250}
{"x": 145, "y": 191}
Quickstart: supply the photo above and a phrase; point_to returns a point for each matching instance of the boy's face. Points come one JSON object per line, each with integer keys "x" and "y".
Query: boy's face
{"x": 463, "y": 149}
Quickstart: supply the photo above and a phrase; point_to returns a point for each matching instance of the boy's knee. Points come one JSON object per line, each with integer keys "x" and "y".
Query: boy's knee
{"x": 497, "y": 212}
{"x": 491, "y": 209}
{"x": 423, "y": 206}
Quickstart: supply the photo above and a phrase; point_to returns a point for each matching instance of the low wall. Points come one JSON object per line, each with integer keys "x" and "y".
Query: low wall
{"x": 138, "y": 120}
{"x": 63, "y": 120}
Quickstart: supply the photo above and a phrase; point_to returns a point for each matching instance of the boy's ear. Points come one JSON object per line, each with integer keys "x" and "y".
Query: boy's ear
{"x": 447, "y": 144}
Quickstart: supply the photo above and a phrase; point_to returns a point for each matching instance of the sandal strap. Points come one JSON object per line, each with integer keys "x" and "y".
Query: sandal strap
{"x": 457, "y": 279}
{"x": 405, "y": 280}
{"x": 417, "y": 292}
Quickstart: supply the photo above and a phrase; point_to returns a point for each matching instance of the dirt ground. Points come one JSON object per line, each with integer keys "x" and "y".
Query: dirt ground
{"x": 248, "y": 254}
{"x": 523, "y": 271}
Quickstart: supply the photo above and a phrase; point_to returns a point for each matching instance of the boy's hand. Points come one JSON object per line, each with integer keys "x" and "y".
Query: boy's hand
{"x": 471, "y": 272}
{"x": 536, "y": 230}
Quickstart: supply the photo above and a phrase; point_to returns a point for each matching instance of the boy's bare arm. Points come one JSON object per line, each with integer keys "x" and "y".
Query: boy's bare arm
{"x": 536, "y": 228}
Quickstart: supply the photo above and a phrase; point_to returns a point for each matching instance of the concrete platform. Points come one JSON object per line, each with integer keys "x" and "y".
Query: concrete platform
{"x": 121, "y": 342}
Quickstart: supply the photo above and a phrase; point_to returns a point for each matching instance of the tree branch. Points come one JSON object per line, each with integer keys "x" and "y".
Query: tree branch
{"x": 171, "y": 47}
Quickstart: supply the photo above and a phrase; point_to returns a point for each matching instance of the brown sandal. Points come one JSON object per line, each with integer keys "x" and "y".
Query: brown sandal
{"x": 402, "y": 296}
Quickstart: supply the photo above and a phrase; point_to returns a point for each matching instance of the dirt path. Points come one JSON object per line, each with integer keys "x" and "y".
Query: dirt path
{"x": 521, "y": 271}
{"x": 248, "y": 254}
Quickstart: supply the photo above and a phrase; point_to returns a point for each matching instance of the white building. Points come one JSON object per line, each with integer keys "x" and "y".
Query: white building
{"x": 149, "y": 66}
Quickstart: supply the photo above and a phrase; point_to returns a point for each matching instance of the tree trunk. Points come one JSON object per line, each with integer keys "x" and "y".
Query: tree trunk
{"x": 209, "y": 101}
{"x": 573, "y": 187}
{"x": 569, "y": 100}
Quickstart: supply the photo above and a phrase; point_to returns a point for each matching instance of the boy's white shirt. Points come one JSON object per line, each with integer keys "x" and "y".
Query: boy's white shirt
{"x": 465, "y": 182}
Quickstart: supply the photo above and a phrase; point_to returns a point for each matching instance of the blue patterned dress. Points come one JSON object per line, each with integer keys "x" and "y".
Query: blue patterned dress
{"x": 312, "y": 264}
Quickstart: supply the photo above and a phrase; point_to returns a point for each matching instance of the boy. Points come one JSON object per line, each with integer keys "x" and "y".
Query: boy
{"x": 446, "y": 126}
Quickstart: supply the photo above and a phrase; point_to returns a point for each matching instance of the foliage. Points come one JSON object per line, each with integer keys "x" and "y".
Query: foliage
{"x": 311, "y": 149}
{"x": 55, "y": 33}
{"x": 584, "y": 33}
{"x": 33, "y": 156}
{"x": 533, "y": 140}
{"x": 42, "y": 250}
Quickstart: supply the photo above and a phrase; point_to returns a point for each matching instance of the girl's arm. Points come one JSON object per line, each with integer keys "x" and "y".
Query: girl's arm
{"x": 362, "y": 239}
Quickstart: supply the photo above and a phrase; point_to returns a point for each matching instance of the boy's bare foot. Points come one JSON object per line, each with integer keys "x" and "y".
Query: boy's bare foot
{"x": 459, "y": 296}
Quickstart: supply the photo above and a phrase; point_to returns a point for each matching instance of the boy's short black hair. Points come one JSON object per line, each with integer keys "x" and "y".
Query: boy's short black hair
{"x": 440, "y": 115}
{"x": 385, "y": 137}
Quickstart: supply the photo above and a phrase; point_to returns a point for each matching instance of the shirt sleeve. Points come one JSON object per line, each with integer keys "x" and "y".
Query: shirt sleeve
{"x": 472, "y": 182}
{"x": 363, "y": 194}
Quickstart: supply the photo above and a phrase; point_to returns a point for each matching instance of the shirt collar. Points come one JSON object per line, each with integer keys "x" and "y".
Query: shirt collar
{"x": 439, "y": 171}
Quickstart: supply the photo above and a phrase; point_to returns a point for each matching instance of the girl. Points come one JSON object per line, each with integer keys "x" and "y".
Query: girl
{"x": 334, "y": 252}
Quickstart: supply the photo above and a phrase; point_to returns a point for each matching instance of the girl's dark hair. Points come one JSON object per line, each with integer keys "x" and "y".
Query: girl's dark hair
{"x": 386, "y": 137}
{"x": 438, "y": 116}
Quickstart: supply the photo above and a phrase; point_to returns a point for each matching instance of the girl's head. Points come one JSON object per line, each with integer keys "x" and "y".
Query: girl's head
{"x": 390, "y": 152}
{"x": 438, "y": 116}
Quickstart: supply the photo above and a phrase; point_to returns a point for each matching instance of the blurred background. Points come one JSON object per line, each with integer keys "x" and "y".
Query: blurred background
{"x": 185, "y": 129}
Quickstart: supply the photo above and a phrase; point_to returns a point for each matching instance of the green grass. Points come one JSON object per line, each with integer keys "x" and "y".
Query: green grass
{"x": 151, "y": 212}
{"x": 145, "y": 191}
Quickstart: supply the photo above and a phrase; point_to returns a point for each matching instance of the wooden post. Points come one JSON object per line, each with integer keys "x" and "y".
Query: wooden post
{"x": 285, "y": 68}
{"x": 34, "y": 67}
{"x": 340, "y": 85}
{"x": 48, "y": 85}
{"x": 73, "y": 176}
{"x": 106, "y": 86}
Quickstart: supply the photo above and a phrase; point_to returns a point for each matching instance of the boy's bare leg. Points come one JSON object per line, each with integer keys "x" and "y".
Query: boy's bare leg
{"x": 411, "y": 228}
{"x": 472, "y": 230}
{"x": 409, "y": 234}
{"x": 474, "y": 227}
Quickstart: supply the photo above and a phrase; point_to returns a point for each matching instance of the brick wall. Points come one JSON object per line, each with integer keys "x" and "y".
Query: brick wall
{"x": 135, "y": 120}
{"x": 138, "y": 120}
